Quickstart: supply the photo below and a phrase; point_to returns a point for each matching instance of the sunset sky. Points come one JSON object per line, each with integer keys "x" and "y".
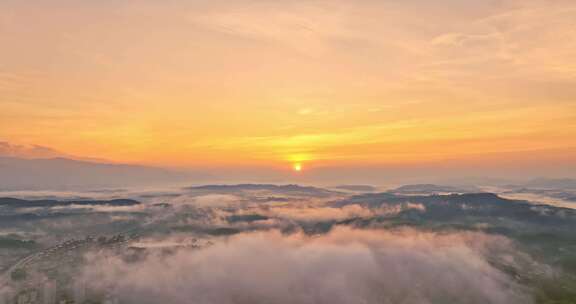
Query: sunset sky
{"x": 351, "y": 83}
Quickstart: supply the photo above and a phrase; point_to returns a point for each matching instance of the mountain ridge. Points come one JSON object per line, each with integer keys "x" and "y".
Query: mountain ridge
{"x": 60, "y": 173}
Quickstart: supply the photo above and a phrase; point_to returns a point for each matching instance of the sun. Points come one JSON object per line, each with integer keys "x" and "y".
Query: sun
{"x": 298, "y": 167}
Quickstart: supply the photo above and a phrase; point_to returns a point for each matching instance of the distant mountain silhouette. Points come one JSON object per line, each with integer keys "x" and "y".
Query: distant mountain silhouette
{"x": 49, "y": 173}
{"x": 552, "y": 183}
{"x": 20, "y": 203}
{"x": 356, "y": 188}
{"x": 431, "y": 189}
{"x": 278, "y": 189}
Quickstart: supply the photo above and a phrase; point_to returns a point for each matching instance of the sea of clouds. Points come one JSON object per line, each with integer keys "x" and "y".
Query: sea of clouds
{"x": 272, "y": 251}
{"x": 344, "y": 266}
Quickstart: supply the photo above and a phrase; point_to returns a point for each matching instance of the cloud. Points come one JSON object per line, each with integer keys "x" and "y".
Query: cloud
{"x": 216, "y": 200}
{"x": 465, "y": 62}
{"x": 524, "y": 42}
{"x": 319, "y": 213}
{"x": 345, "y": 266}
{"x": 301, "y": 25}
{"x": 27, "y": 151}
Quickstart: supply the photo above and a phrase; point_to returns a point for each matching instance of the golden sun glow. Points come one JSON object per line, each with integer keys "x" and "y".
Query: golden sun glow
{"x": 298, "y": 167}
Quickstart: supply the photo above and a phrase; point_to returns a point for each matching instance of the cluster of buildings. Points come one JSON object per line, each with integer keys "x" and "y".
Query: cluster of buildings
{"x": 50, "y": 276}
{"x": 48, "y": 292}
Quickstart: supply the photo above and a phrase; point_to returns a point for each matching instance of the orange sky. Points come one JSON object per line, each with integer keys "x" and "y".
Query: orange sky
{"x": 272, "y": 83}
